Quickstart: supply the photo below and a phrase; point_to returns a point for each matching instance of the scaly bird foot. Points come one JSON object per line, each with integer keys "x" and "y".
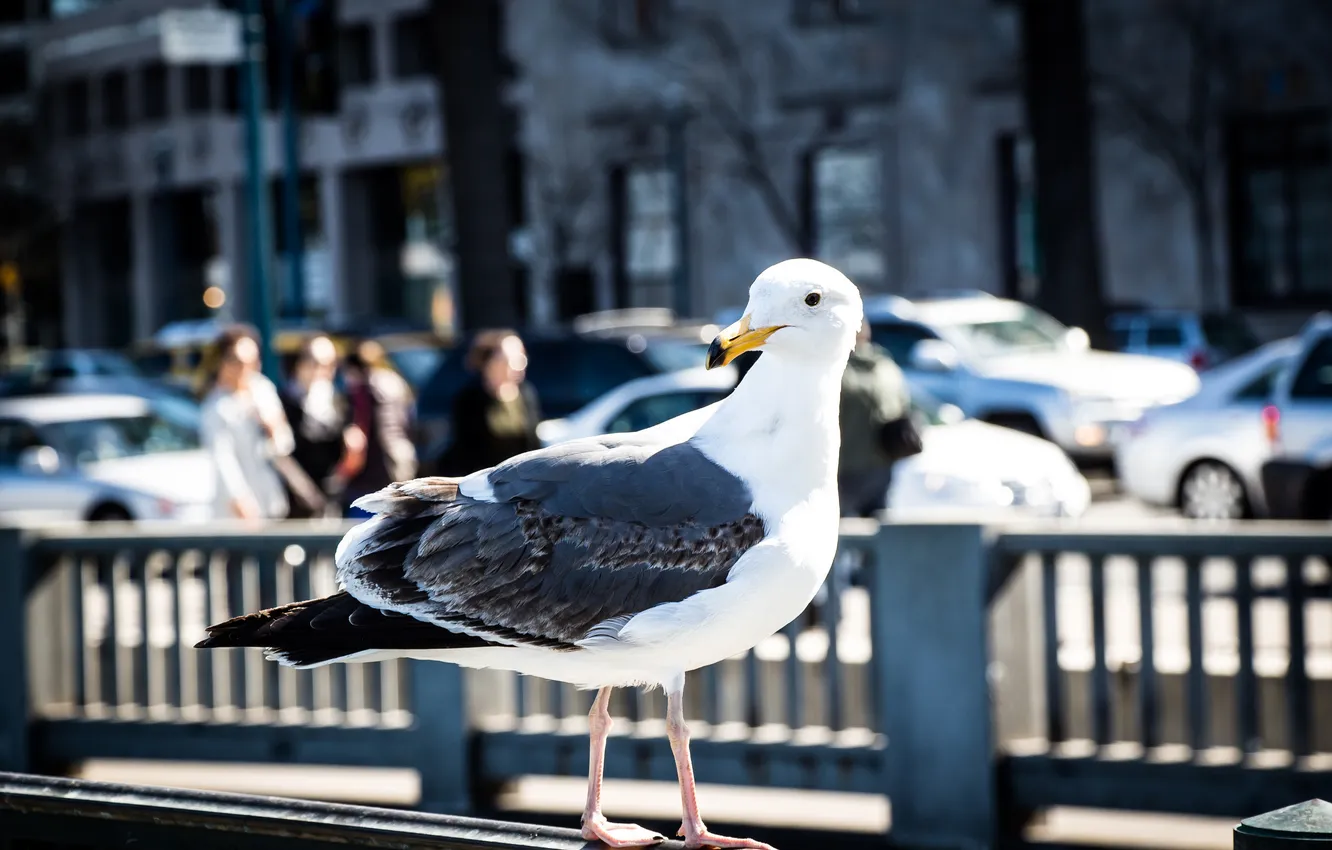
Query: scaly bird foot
{"x": 597, "y": 828}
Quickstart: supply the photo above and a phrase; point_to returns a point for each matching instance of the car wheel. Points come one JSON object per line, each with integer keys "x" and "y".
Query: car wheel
{"x": 1212, "y": 490}
{"x": 109, "y": 513}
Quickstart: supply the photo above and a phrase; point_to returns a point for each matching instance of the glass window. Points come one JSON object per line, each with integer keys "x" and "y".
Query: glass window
{"x": 412, "y": 53}
{"x": 1261, "y": 386}
{"x": 808, "y": 12}
{"x": 899, "y": 339}
{"x": 76, "y": 108}
{"x": 568, "y": 374}
{"x": 153, "y": 91}
{"x": 115, "y": 100}
{"x": 15, "y": 436}
{"x": 1120, "y": 336}
{"x": 1027, "y": 329}
{"x": 358, "y": 55}
{"x": 635, "y": 22}
{"x": 1164, "y": 334}
{"x": 649, "y": 235}
{"x": 846, "y": 219}
{"x": 656, "y": 409}
{"x": 13, "y": 72}
{"x": 674, "y": 355}
{"x": 1229, "y": 333}
{"x": 94, "y": 440}
{"x": 1314, "y": 380}
{"x": 198, "y": 89}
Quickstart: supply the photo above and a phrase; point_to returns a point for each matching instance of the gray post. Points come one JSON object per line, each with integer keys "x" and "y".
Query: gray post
{"x": 439, "y": 713}
{"x": 261, "y": 237}
{"x": 13, "y": 661}
{"x": 1306, "y": 825}
{"x": 928, "y": 592}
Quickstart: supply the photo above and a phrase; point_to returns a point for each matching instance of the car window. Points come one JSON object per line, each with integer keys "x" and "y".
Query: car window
{"x": 15, "y": 436}
{"x": 1229, "y": 333}
{"x": 1260, "y": 387}
{"x": 1164, "y": 334}
{"x": 569, "y": 373}
{"x": 656, "y": 409}
{"x": 93, "y": 440}
{"x": 1120, "y": 335}
{"x": 416, "y": 364}
{"x": 1314, "y": 380}
{"x": 898, "y": 339}
{"x": 1028, "y": 330}
{"x": 673, "y": 355}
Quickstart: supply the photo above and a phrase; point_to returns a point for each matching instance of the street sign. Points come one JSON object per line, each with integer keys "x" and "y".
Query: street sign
{"x": 200, "y": 36}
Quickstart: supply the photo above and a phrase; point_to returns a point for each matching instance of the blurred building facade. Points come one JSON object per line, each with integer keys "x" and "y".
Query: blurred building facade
{"x": 885, "y": 136}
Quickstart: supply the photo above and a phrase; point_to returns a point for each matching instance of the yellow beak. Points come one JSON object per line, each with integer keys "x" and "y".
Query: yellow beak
{"x": 736, "y": 340}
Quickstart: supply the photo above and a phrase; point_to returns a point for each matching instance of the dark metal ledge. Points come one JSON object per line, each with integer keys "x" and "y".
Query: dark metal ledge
{"x": 71, "y": 813}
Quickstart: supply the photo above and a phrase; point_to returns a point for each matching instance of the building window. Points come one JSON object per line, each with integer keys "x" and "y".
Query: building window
{"x": 231, "y": 92}
{"x": 646, "y": 225}
{"x": 115, "y": 101}
{"x": 1281, "y": 210}
{"x": 1017, "y": 217}
{"x": 76, "y": 108}
{"x": 412, "y": 53}
{"x": 153, "y": 91}
{"x": 845, "y": 214}
{"x": 198, "y": 89}
{"x": 358, "y": 55}
{"x": 13, "y": 72}
{"x": 630, "y": 23}
{"x": 823, "y": 12}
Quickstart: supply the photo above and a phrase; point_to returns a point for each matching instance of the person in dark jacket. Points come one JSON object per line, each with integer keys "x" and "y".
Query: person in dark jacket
{"x": 874, "y": 394}
{"x": 495, "y": 415}
{"x": 320, "y": 423}
{"x": 381, "y": 405}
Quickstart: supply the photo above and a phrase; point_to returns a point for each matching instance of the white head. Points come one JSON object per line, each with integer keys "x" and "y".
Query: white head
{"x": 797, "y": 308}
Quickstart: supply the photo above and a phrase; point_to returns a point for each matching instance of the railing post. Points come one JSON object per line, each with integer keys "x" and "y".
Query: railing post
{"x": 439, "y": 709}
{"x": 14, "y": 567}
{"x": 1306, "y": 825}
{"x": 929, "y": 628}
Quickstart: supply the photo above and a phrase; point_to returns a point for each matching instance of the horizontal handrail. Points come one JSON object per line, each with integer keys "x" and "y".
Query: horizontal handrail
{"x": 48, "y": 808}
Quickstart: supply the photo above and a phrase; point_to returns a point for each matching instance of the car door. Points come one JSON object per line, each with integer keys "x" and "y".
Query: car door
{"x": 1306, "y": 415}
{"x": 35, "y": 496}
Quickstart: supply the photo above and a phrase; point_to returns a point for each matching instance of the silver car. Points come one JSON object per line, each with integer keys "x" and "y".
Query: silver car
{"x": 1204, "y": 455}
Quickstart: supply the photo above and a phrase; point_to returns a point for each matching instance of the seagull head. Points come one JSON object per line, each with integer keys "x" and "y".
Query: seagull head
{"x": 801, "y": 308}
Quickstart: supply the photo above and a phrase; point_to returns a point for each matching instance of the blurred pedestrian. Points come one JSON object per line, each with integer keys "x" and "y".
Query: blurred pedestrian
{"x": 381, "y": 405}
{"x": 326, "y": 446}
{"x": 494, "y": 415}
{"x": 877, "y": 428}
{"x": 235, "y": 435}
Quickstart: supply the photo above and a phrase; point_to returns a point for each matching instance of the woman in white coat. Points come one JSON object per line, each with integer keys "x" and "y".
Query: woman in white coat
{"x": 235, "y": 435}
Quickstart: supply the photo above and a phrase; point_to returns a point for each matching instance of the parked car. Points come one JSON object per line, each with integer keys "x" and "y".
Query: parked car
{"x": 78, "y": 370}
{"x": 642, "y": 403}
{"x": 1201, "y": 339}
{"x": 568, "y": 372}
{"x": 1297, "y": 481}
{"x": 1009, "y": 364}
{"x": 968, "y": 468}
{"x": 113, "y": 457}
{"x": 1204, "y": 455}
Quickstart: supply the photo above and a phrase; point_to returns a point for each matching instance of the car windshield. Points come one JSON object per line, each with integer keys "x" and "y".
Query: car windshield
{"x": 672, "y": 355}
{"x": 171, "y": 427}
{"x": 1022, "y": 329}
{"x": 416, "y": 364}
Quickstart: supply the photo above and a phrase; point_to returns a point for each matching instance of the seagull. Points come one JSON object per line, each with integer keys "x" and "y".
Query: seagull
{"x": 625, "y": 560}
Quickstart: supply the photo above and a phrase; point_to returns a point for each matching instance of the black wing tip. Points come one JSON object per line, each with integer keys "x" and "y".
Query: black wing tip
{"x": 410, "y": 498}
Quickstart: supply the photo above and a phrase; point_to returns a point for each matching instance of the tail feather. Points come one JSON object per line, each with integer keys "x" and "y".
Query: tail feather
{"x": 333, "y": 628}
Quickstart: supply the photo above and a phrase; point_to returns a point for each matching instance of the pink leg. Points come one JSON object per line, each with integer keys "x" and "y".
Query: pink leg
{"x": 595, "y": 825}
{"x": 693, "y": 830}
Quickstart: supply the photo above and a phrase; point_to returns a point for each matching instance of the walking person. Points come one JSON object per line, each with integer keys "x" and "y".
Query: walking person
{"x": 495, "y": 415}
{"x": 327, "y": 447}
{"x": 381, "y": 404}
{"x": 237, "y": 436}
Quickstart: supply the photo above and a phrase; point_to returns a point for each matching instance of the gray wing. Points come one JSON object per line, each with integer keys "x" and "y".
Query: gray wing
{"x": 579, "y": 538}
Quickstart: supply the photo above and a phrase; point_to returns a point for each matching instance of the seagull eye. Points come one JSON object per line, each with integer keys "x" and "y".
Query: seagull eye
{"x": 813, "y": 299}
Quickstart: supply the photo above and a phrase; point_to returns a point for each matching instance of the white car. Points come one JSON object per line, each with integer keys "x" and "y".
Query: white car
{"x": 642, "y": 403}
{"x": 102, "y": 457}
{"x": 1010, "y": 364}
{"x": 971, "y": 469}
{"x": 1204, "y": 455}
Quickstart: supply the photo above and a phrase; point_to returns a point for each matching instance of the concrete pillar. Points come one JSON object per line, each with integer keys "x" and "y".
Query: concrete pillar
{"x": 143, "y": 292}
{"x": 331, "y": 219}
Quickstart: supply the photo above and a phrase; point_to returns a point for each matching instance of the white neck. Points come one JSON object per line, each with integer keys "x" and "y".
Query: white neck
{"x": 779, "y": 430}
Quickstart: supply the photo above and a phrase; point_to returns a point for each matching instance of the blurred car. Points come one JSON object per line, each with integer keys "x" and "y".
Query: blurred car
{"x": 112, "y": 457}
{"x": 80, "y": 370}
{"x": 1204, "y": 455}
{"x": 1202, "y": 340}
{"x": 968, "y": 468}
{"x": 642, "y": 403}
{"x": 1297, "y": 481}
{"x": 1009, "y": 364}
{"x": 568, "y": 371}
